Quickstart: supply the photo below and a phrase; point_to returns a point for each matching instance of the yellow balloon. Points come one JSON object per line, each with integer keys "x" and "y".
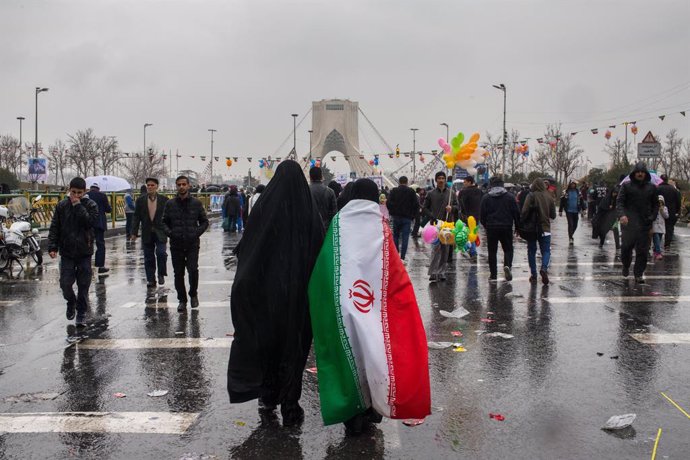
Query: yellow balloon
{"x": 450, "y": 164}
{"x": 471, "y": 223}
{"x": 471, "y": 237}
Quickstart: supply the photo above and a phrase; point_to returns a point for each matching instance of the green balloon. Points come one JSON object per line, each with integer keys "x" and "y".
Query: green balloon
{"x": 461, "y": 240}
{"x": 455, "y": 143}
{"x": 460, "y": 137}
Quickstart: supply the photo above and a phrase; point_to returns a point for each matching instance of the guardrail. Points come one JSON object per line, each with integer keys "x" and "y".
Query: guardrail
{"x": 46, "y": 205}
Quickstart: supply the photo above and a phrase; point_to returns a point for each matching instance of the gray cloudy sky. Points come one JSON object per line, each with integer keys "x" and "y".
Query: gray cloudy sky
{"x": 242, "y": 67}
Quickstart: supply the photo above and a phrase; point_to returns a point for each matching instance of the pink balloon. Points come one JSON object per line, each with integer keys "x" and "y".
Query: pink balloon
{"x": 442, "y": 142}
{"x": 430, "y": 234}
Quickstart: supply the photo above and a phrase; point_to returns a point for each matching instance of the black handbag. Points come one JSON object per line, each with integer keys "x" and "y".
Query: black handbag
{"x": 530, "y": 228}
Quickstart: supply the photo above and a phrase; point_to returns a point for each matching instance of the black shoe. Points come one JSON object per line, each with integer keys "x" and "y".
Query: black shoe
{"x": 544, "y": 277}
{"x": 355, "y": 425}
{"x": 151, "y": 284}
{"x": 572, "y": 241}
{"x": 626, "y": 272}
{"x": 292, "y": 414}
{"x": 161, "y": 280}
{"x": 533, "y": 279}
{"x": 508, "y": 273}
{"x": 103, "y": 270}
{"x": 640, "y": 280}
{"x": 195, "y": 302}
{"x": 433, "y": 278}
{"x": 442, "y": 277}
{"x": 71, "y": 311}
{"x": 182, "y": 307}
{"x": 81, "y": 321}
{"x": 493, "y": 278}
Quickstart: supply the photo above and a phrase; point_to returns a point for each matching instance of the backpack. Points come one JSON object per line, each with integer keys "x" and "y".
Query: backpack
{"x": 530, "y": 228}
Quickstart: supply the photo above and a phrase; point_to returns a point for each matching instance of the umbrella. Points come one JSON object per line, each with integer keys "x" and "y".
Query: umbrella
{"x": 656, "y": 180}
{"x": 108, "y": 183}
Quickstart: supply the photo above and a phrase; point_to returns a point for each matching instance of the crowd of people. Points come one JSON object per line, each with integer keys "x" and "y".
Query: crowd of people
{"x": 324, "y": 248}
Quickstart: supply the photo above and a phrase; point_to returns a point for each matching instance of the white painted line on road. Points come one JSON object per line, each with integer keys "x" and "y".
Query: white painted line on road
{"x": 216, "y": 282}
{"x": 604, "y": 277}
{"x": 132, "y": 344}
{"x": 652, "y": 339}
{"x": 622, "y": 299}
{"x": 210, "y": 304}
{"x": 97, "y": 422}
{"x": 8, "y": 303}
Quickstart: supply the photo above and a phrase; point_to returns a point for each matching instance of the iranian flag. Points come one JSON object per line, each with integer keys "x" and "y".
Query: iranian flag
{"x": 370, "y": 344}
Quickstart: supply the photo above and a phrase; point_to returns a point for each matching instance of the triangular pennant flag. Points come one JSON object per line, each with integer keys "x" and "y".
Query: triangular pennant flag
{"x": 193, "y": 156}
{"x": 682, "y": 113}
{"x": 227, "y": 158}
{"x": 278, "y": 158}
{"x": 215, "y": 158}
{"x": 540, "y": 140}
{"x": 235, "y": 159}
{"x": 249, "y": 159}
{"x": 661, "y": 117}
{"x": 390, "y": 155}
{"x": 612, "y": 126}
{"x": 304, "y": 158}
{"x": 333, "y": 157}
{"x": 573, "y": 133}
{"x": 203, "y": 158}
{"x": 595, "y": 131}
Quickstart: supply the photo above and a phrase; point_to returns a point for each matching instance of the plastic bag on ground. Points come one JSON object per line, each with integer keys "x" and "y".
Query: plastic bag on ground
{"x": 457, "y": 313}
{"x": 618, "y": 422}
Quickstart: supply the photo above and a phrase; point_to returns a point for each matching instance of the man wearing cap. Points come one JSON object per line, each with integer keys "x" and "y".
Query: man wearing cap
{"x": 101, "y": 201}
{"x": 148, "y": 211}
{"x": 71, "y": 234}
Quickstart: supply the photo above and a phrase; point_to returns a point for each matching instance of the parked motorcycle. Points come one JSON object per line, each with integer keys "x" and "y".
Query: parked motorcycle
{"x": 19, "y": 240}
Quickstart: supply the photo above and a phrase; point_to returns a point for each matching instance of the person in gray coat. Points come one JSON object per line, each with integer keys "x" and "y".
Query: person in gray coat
{"x": 439, "y": 204}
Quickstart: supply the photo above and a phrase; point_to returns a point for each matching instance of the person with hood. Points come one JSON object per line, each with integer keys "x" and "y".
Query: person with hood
{"x": 469, "y": 202}
{"x": 369, "y": 339}
{"x": 540, "y": 203}
{"x": 573, "y": 204}
{"x": 269, "y": 302}
{"x": 659, "y": 227}
{"x": 403, "y": 206}
{"x": 231, "y": 209}
{"x": 498, "y": 213}
{"x": 673, "y": 201}
{"x": 606, "y": 219}
{"x": 637, "y": 206}
{"x": 440, "y": 204}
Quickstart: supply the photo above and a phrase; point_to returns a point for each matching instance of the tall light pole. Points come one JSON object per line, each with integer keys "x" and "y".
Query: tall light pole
{"x": 21, "y": 119}
{"x": 146, "y": 125}
{"x": 502, "y": 87}
{"x": 38, "y": 90}
{"x": 212, "y": 131}
{"x": 311, "y": 131}
{"x": 414, "y": 151}
{"x": 294, "y": 135}
{"x": 446, "y": 125}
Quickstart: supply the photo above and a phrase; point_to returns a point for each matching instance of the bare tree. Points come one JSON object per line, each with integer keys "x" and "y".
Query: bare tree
{"x": 540, "y": 160}
{"x": 683, "y": 165}
{"x": 58, "y": 160}
{"x": 137, "y": 167}
{"x": 108, "y": 154}
{"x": 671, "y": 153}
{"x": 565, "y": 156}
{"x": 11, "y": 156}
{"x": 83, "y": 152}
{"x": 494, "y": 146}
{"x": 618, "y": 153}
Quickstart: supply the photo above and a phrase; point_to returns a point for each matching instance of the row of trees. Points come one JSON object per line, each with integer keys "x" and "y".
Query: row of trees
{"x": 83, "y": 154}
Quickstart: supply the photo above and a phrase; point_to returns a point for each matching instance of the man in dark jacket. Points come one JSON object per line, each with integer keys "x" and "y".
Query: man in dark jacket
{"x": 402, "y": 206}
{"x": 439, "y": 204}
{"x": 323, "y": 196}
{"x": 72, "y": 234}
{"x": 498, "y": 213}
{"x": 637, "y": 206}
{"x": 103, "y": 204}
{"x": 184, "y": 221}
{"x": 148, "y": 212}
{"x": 469, "y": 201}
{"x": 673, "y": 202}
{"x": 232, "y": 208}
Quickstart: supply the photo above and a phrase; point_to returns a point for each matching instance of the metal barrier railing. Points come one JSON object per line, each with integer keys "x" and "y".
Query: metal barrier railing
{"x": 46, "y": 205}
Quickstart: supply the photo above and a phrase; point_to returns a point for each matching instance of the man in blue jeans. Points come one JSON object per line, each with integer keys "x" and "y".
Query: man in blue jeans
{"x": 148, "y": 214}
{"x": 403, "y": 206}
{"x": 540, "y": 203}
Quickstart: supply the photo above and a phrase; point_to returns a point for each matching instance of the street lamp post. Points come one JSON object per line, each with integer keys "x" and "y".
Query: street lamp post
{"x": 502, "y": 87}
{"x": 146, "y": 125}
{"x": 446, "y": 125}
{"x": 38, "y": 90}
{"x": 212, "y": 131}
{"x": 294, "y": 135}
{"x": 414, "y": 151}
{"x": 311, "y": 131}
{"x": 21, "y": 119}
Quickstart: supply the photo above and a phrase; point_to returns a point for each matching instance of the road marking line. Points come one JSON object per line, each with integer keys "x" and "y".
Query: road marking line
{"x": 8, "y": 303}
{"x": 674, "y": 403}
{"x": 658, "y": 339}
{"x": 656, "y": 443}
{"x": 624, "y": 299}
{"x": 210, "y": 304}
{"x": 97, "y": 422}
{"x": 132, "y": 344}
{"x": 216, "y": 282}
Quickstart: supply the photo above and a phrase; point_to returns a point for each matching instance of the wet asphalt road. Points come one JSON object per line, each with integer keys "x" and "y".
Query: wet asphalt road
{"x": 549, "y": 381}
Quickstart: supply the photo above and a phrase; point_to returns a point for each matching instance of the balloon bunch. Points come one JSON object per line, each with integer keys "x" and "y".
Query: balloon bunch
{"x": 522, "y": 149}
{"x": 473, "y": 230}
{"x": 261, "y": 164}
{"x": 466, "y": 156}
{"x": 375, "y": 161}
{"x": 315, "y": 162}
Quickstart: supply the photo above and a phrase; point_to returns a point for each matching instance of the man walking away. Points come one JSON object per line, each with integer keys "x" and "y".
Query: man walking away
{"x": 72, "y": 234}
{"x": 402, "y": 207}
{"x": 498, "y": 213}
{"x": 673, "y": 202}
{"x": 103, "y": 204}
{"x": 149, "y": 214}
{"x": 470, "y": 200}
{"x": 637, "y": 206}
{"x": 539, "y": 201}
{"x": 323, "y": 196}
{"x": 184, "y": 221}
{"x": 255, "y": 197}
{"x": 438, "y": 205}
{"x": 231, "y": 208}
{"x": 572, "y": 203}
{"x": 129, "y": 212}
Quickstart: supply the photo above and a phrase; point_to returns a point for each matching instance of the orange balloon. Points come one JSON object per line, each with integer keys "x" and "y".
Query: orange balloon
{"x": 474, "y": 138}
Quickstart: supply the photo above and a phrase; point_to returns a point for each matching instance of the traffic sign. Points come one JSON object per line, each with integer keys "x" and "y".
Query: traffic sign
{"x": 649, "y": 147}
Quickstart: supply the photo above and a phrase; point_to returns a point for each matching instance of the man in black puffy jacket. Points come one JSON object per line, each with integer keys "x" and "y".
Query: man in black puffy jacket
{"x": 184, "y": 221}
{"x": 637, "y": 206}
{"x": 498, "y": 213}
{"x": 72, "y": 235}
{"x": 403, "y": 206}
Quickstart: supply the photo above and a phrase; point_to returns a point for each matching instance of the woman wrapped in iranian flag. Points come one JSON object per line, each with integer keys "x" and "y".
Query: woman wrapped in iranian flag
{"x": 370, "y": 344}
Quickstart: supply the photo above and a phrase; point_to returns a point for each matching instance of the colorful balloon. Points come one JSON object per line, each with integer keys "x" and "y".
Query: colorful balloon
{"x": 430, "y": 234}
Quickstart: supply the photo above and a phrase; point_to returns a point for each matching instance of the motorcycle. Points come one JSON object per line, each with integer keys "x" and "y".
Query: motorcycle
{"x": 19, "y": 240}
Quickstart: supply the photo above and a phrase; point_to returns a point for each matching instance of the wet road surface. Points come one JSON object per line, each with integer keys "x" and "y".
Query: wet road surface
{"x": 588, "y": 346}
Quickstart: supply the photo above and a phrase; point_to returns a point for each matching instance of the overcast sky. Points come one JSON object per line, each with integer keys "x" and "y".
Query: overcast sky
{"x": 242, "y": 67}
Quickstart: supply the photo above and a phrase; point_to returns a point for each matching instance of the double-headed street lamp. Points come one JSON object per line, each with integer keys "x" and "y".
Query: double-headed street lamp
{"x": 38, "y": 90}
{"x": 446, "y": 125}
{"x": 502, "y": 87}
{"x": 146, "y": 125}
{"x": 414, "y": 150}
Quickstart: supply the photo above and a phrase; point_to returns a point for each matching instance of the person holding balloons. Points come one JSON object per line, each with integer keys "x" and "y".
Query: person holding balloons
{"x": 440, "y": 203}
{"x": 498, "y": 213}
